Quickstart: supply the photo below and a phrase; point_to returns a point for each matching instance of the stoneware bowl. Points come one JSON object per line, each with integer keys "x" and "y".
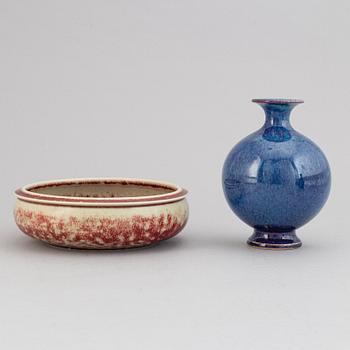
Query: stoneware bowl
{"x": 101, "y": 213}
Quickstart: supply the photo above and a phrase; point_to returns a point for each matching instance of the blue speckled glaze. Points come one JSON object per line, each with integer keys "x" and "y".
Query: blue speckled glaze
{"x": 276, "y": 179}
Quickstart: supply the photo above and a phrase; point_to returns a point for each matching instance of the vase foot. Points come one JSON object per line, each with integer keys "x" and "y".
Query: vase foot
{"x": 274, "y": 240}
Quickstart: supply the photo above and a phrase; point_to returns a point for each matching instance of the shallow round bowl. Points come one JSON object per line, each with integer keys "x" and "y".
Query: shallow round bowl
{"x": 101, "y": 213}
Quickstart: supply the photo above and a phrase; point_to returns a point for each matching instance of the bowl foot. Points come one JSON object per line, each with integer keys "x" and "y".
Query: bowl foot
{"x": 274, "y": 240}
{"x": 101, "y": 248}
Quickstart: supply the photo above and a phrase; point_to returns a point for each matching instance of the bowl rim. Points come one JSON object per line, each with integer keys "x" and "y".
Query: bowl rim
{"x": 25, "y": 194}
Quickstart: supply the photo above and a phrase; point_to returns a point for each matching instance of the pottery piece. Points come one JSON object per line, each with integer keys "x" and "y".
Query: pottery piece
{"x": 101, "y": 213}
{"x": 276, "y": 179}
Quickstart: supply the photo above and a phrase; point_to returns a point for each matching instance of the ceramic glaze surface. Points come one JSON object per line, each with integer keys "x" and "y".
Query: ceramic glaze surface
{"x": 90, "y": 214}
{"x": 276, "y": 179}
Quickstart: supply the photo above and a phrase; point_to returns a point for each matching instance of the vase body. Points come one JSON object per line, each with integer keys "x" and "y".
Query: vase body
{"x": 276, "y": 179}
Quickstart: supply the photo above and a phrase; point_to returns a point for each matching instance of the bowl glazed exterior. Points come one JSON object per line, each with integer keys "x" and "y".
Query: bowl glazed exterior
{"x": 101, "y": 223}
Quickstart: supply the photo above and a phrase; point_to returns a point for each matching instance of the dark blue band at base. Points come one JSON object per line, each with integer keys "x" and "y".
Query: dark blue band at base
{"x": 274, "y": 240}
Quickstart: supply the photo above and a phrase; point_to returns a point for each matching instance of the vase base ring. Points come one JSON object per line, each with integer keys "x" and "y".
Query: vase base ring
{"x": 274, "y": 240}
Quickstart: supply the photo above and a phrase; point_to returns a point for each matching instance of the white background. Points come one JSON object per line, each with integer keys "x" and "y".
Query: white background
{"x": 161, "y": 89}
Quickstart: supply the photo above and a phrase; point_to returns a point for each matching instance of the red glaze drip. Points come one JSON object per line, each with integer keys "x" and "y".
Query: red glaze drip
{"x": 98, "y": 232}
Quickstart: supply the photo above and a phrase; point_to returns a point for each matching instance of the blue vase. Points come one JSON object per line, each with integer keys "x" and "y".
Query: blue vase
{"x": 276, "y": 179}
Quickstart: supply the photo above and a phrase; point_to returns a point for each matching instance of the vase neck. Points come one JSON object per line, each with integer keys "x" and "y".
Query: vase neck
{"x": 277, "y": 111}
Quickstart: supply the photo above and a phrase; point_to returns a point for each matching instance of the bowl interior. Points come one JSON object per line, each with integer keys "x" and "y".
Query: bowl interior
{"x": 102, "y": 189}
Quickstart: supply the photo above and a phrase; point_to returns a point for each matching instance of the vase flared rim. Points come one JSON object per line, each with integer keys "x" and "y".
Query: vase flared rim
{"x": 278, "y": 101}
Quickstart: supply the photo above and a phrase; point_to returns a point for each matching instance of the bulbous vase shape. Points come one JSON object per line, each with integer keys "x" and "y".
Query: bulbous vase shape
{"x": 276, "y": 179}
